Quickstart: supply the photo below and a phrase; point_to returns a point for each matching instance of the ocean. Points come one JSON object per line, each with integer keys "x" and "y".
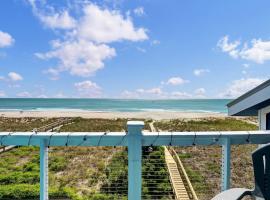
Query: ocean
{"x": 114, "y": 105}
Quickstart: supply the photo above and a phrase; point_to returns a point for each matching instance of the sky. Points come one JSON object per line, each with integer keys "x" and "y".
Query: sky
{"x": 175, "y": 49}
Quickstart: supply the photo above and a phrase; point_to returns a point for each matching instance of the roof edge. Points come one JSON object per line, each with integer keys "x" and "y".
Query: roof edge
{"x": 249, "y": 93}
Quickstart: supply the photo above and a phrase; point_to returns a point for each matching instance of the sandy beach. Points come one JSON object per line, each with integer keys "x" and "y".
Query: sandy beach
{"x": 156, "y": 115}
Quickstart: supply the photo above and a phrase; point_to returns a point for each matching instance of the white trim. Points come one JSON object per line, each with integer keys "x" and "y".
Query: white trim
{"x": 262, "y": 117}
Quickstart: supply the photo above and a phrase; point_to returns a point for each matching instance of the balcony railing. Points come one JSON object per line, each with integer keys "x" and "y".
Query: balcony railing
{"x": 134, "y": 139}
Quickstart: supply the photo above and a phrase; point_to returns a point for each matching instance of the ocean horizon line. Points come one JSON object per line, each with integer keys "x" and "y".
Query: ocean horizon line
{"x": 144, "y": 99}
{"x": 114, "y": 105}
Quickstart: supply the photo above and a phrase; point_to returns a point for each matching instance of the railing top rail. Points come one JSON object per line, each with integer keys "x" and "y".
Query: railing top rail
{"x": 144, "y": 133}
{"x": 120, "y": 138}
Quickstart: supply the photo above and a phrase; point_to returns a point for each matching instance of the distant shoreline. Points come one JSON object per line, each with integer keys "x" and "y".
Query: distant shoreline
{"x": 156, "y": 115}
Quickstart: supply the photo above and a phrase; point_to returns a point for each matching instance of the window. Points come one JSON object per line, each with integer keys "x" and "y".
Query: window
{"x": 268, "y": 121}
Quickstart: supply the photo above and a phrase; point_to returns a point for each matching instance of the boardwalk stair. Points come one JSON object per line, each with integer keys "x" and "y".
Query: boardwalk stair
{"x": 175, "y": 177}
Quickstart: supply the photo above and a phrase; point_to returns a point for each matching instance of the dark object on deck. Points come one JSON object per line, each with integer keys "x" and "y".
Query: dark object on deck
{"x": 268, "y": 121}
{"x": 261, "y": 165}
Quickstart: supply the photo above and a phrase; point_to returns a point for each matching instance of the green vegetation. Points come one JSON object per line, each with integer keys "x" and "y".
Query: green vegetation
{"x": 99, "y": 125}
{"x": 184, "y": 155}
{"x": 209, "y": 124}
{"x": 100, "y": 173}
{"x": 156, "y": 182}
{"x": 75, "y": 173}
{"x": 203, "y": 164}
{"x": 90, "y": 125}
{"x": 19, "y": 175}
{"x": 23, "y": 124}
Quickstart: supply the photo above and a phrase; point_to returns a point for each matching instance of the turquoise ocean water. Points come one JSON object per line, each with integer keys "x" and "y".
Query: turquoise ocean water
{"x": 120, "y": 105}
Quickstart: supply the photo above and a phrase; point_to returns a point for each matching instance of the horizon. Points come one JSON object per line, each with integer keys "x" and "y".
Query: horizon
{"x": 134, "y": 50}
{"x": 113, "y": 98}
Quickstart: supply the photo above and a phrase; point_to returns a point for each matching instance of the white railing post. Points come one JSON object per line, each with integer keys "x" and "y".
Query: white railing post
{"x": 43, "y": 170}
{"x": 135, "y": 159}
{"x": 226, "y": 164}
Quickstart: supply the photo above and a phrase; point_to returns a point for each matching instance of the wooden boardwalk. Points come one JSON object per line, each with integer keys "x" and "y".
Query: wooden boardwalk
{"x": 178, "y": 185}
{"x": 176, "y": 180}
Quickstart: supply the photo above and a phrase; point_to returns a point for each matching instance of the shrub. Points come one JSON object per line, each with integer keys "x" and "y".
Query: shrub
{"x": 57, "y": 164}
{"x": 19, "y": 177}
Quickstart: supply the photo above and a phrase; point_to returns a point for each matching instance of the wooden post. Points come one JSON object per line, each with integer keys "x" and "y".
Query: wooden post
{"x": 135, "y": 159}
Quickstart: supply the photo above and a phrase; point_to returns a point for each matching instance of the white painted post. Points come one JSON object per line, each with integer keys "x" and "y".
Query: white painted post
{"x": 226, "y": 164}
{"x": 43, "y": 170}
{"x": 135, "y": 159}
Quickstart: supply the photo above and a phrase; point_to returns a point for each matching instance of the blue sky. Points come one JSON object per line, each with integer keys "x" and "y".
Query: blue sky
{"x": 133, "y": 49}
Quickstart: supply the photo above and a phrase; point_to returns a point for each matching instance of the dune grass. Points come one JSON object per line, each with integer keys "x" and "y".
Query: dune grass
{"x": 203, "y": 164}
{"x": 208, "y": 124}
{"x": 100, "y": 125}
{"x": 23, "y": 124}
{"x": 86, "y": 173}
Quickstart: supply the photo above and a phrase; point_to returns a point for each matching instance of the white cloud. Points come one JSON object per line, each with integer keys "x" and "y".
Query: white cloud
{"x": 241, "y": 86}
{"x": 200, "y": 92}
{"x": 245, "y": 65}
{"x": 176, "y": 81}
{"x": 156, "y": 91}
{"x": 58, "y": 20}
{"x": 155, "y": 42}
{"x": 60, "y": 95}
{"x": 6, "y": 39}
{"x": 24, "y": 94}
{"x": 141, "y": 49}
{"x": 229, "y": 47}
{"x": 14, "y": 85}
{"x": 42, "y": 96}
{"x": 50, "y": 17}
{"x": 88, "y": 89}
{"x": 129, "y": 95}
{"x": 258, "y": 51}
{"x": 2, "y": 94}
{"x": 105, "y": 26}
{"x": 180, "y": 95}
{"x": 200, "y": 72}
{"x": 139, "y": 11}
{"x": 15, "y": 76}
{"x": 54, "y": 73}
{"x": 84, "y": 46}
{"x": 80, "y": 58}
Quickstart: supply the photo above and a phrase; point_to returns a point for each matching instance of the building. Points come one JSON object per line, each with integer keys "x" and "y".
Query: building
{"x": 255, "y": 102}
